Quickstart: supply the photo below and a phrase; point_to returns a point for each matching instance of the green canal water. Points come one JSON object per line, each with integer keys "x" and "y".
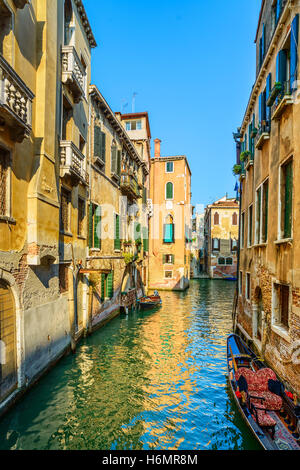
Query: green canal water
{"x": 151, "y": 380}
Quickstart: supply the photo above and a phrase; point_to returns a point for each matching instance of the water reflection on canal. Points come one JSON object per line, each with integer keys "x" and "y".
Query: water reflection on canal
{"x": 152, "y": 380}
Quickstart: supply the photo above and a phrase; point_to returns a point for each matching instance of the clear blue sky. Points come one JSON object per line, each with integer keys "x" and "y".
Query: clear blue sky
{"x": 192, "y": 65}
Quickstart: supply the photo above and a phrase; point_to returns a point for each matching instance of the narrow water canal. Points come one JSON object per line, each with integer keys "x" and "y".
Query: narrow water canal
{"x": 154, "y": 380}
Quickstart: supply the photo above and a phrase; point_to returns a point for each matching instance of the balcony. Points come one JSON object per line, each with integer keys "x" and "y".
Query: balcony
{"x": 72, "y": 163}
{"x": 263, "y": 134}
{"x": 15, "y": 103}
{"x": 129, "y": 186}
{"x": 282, "y": 100}
{"x": 73, "y": 73}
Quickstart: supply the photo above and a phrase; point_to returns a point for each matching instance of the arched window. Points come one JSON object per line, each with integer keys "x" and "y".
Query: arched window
{"x": 216, "y": 218}
{"x": 229, "y": 261}
{"x": 68, "y": 20}
{"x": 215, "y": 244}
{"x": 169, "y": 191}
{"x": 234, "y": 218}
{"x": 221, "y": 261}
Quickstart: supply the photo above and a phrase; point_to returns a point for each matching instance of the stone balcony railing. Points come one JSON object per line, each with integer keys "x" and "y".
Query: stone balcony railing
{"x": 15, "y": 103}
{"x": 73, "y": 73}
{"x": 72, "y": 163}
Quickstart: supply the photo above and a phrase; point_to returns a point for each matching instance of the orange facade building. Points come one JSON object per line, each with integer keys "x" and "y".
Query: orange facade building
{"x": 170, "y": 222}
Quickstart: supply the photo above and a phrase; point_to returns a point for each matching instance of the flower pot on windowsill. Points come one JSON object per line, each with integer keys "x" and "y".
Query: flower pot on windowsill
{"x": 274, "y": 93}
{"x": 237, "y": 169}
{"x": 254, "y": 133}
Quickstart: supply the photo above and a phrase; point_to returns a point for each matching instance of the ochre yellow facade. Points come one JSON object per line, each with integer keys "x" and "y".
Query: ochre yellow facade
{"x": 170, "y": 222}
{"x": 268, "y": 312}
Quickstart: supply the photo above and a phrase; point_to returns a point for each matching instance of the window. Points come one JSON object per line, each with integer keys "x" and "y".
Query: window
{"x": 248, "y": 286}
{"x": 169, "y": 167}
{"x": 81, "y": 144}
{"x": 241, "y": 283}
{"x": 168, "y": 274}
{"x": 65, "y": 207}
{"x": 234, "y": 218}
{"x": 250, "y": 225}
{"x": 117, "y": 242}
{"x": 107, "y": 285}
{"x": 133, "y": 125}
{"x": 243, "y": 230}
{"x": 169, "y": 191}
{"x": 286, "y": 200}
{"x": 216, "y": 218}
{"x": 229, "y": 261}
{"x": 221, "y": 261}
{"x": 63, "y": 278}
{"x": 168, "y": 259}
{"x": 281, "y": 301}
{"x": 81, "y": 214}
{"x": 4, "y": 200}
{"x": 95, "y": 226}
{"x": 264, "y": 215}
{"x": 99, "y": 144}
{"x": 234, "y": 245}
{"x": 115, "y": 160}
{"x": 145, "y": 232}
{"x": 169, "y": 230}
{"x": 215, "y": 244}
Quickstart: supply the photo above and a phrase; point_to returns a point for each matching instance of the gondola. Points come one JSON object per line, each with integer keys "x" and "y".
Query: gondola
{"x": 149, "y": 302}
{"x": 267, "y": 408}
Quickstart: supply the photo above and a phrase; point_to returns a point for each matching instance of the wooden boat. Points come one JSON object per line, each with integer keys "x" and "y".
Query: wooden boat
{"x": 151, "y": 301}
{"x": 273, "y": 418}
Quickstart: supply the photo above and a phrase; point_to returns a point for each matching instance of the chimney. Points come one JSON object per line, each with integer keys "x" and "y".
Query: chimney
{"x": 157, "y": 143}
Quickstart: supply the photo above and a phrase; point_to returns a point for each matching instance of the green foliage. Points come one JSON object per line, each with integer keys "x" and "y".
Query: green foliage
{"x": 237, "y": 169}
{"x": 244, "y": 155}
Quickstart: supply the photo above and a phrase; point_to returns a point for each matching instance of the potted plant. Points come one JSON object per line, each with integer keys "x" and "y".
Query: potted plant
{"x": 237, "y": 169}
{"x": 128, "y": 258}
{"x": 274, "y": 93}
{"x": 245, "y": 155}
{"x": 253, "y": 133}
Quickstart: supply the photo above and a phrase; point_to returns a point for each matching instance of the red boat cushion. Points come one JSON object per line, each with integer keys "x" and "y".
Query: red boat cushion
{"x": 262, "y": 379}
{"x": 264, "y": 419}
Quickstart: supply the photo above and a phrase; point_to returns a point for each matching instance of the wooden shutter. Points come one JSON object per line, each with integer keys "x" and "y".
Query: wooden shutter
{"x": 288, "y": 203}
{"x": 169, "y": 191}
{"x": 97, "y": 141}
{"x": 103, "y": 282}
{"x": 119, "y": 158}
{"x": 110, "y": 285}
{"x": 266, "y": 204}
{"x": 103, "y": 146}
{"x": 173, "y": 259}
{"x": 268, "y": 91}
{"x": 164, "y": 259}
{"x": 114, "y": 160}
{"x": 117, "y": 232}
{"x": 145, "y": 239}
{"x": 294, "y": 52}
{"x": 91, "y": 226}
{"x": 281, "y": 65}
{"x": 97, "y": 227}
{"x": 285, "y": 291}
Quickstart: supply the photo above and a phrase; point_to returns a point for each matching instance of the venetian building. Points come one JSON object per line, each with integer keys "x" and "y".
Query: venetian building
{"x": 268, "y": 311}
{"x": 221, "y": 231}
{"x": 45, "y": 49}
{"x": 116, "y": 219}
{"x": 137, "y": 126}
{"x": 171, "y": 222}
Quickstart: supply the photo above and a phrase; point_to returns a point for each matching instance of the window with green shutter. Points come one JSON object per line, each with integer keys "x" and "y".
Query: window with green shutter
{"x": 97, "y": 141}
{"x": 287, "y": 199}
{"x": 110, "y": 285}
{"x": 265, "y": 211}
{"x": 117, "y": 242}
{"x": 145, "y": 239}
{"x": 169, "y": 191}
{"x": 103, "y": 146}
{"x": 114, "y": 160}
{"x": 97, "y": 227}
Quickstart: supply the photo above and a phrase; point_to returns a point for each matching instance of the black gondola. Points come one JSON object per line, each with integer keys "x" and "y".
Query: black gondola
{"x": 260, "y": 397}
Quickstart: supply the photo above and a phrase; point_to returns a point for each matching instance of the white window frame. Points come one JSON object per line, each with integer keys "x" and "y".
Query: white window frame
{"x": 280, "y": 230}
{"x": 248, "y": 223}
{"x": 276, "y": 324}
{"x": 166, "y": 168}
{"x": 258, "y": 238}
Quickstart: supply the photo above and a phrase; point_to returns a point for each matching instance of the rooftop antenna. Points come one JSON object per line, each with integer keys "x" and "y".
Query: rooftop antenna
{"x": 123, "y": 106}
{"x": 133, "y": 102}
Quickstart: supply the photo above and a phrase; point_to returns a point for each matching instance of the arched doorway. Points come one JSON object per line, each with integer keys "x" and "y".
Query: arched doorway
{"x": 8, "y": 359}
